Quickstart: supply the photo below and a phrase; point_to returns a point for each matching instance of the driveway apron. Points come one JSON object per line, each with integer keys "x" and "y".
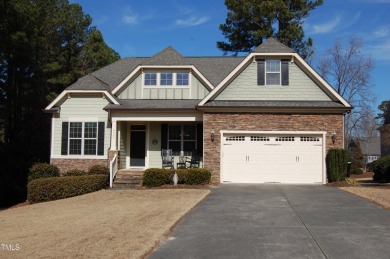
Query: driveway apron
{"x": 280, "y": 221}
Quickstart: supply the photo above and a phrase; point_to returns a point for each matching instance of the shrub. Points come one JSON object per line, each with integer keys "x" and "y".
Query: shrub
{"x": 336, "y": 164}
{"x": 98, "y": 169}
{"x": 49, "y": 189}
{"x": 351, "y": 181}
{"x": 74, "y": 172}
{"x": 357, "y": 171}
{"x": 43, "y": 170}
{"x": 197, "y": 176}
{"x": 155, "y": 177}
{"x": 381, "y": 169}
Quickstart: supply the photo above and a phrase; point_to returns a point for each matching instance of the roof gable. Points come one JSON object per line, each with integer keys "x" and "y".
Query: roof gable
{"x": 167, "y": 57}
{"x": 273, "y": 46}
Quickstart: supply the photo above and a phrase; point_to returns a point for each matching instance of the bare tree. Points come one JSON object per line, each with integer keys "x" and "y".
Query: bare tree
{"x": 349, "y": 71}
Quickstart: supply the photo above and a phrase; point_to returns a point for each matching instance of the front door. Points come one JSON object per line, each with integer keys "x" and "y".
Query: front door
{"x": 137, "y": 145}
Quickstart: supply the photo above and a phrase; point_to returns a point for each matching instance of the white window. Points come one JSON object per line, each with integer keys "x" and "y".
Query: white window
{"x": 82, "y": 138}
{"x": 182, "y": 79}
{"x": 166, "y": 79}
{"x": 150, "y": 79}
{"x": 182, "y": 138}
{"x": 272, "y": 72}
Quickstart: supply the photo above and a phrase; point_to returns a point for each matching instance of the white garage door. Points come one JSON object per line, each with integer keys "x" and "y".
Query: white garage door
{"x": 262, "y": 158}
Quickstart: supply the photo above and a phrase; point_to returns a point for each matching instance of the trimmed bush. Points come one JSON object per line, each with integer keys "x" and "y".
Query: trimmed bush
{"x": 336, "y": 164}
{"x": 197, "y": 176}
{"x": 98, "y": 169}
{"x": 351, "y": 181}
{"x": 43, "y": 170}
{"x": 48, "y": 189}
{"x": 381, "y": 169}
{"x": 155, "y": 177}
{"x": 357, "y": 171}
{"x": 75, "y": 172}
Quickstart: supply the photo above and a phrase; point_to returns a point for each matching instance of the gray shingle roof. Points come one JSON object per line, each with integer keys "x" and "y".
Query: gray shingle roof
{"x": 371, "y": 146}
{"x": 215, "y": 69}
{"x": 154, "y": 105}
{"x": 88, "y": 82}
{"x": 273, "y": 46}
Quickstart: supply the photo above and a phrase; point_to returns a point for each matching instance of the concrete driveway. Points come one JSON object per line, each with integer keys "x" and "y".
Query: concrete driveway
{"x": 280, "y": 221}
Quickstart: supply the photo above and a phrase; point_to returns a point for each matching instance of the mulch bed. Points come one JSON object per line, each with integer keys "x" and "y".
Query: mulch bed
{"x": 363, "y": 175}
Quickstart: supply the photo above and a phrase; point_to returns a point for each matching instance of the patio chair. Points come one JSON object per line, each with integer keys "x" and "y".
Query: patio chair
{"x": 194, "y": 161}
{"x": 167, "y": 158}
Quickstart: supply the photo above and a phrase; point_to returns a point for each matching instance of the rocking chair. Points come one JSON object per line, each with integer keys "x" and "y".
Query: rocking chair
{"x": 167, "y": 158}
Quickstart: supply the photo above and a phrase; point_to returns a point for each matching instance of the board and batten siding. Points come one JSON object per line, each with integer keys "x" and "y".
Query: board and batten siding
{"x": 79, "y": 108}
{"x": 123, "y": 148}
{"x": 301, "y": 87}
{"x": 135, "y": 90}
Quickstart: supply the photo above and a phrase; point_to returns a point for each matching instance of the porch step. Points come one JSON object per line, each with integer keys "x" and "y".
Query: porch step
{"x": 128, "y": 179}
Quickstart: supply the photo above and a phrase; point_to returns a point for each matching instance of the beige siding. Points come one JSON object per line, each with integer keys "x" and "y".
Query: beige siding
{"x": 300, "y": 88}
{"x": 80, "y": 108}
{"x": 155, "y": 150}
{"x": 134, "y": 90}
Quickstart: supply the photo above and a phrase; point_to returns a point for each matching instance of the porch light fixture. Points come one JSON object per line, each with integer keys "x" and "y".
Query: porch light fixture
{"x": 334, "y": 137}
{"x": 154, "y": 141}
{"x": 212, "y": 137}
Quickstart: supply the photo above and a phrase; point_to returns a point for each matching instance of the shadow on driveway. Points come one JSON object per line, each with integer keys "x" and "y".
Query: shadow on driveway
{"x": 280, "y": 221}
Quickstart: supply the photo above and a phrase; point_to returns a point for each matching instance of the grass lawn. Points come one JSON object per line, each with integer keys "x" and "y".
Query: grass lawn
{"x": 103, "y": 224}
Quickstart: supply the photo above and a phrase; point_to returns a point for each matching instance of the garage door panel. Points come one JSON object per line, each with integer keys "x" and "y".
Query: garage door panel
{"x": 273, "y": 158}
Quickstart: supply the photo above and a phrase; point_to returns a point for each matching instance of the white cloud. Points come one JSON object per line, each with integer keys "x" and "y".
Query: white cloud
{"x": 380, "y": 51}
{"x": 381, "y": 32}
{"x": 326, "y": 27}
{"x": 192, "y": 21}
{"x": 130, "y": 19}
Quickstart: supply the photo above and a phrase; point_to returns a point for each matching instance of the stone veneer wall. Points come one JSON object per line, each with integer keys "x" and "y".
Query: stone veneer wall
{"x": 264, "y": 122}
{"x": 385, "y": 139}
{"x": 82, "y": 164}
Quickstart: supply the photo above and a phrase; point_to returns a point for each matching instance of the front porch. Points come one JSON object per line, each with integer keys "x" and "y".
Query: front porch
{"x": 137, "y": 145}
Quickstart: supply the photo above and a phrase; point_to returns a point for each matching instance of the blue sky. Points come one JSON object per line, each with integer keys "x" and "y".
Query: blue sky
{"x": 143, "y": 28}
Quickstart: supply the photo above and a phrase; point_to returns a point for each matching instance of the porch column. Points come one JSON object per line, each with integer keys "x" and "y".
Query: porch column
{"x": 113, "y": 134}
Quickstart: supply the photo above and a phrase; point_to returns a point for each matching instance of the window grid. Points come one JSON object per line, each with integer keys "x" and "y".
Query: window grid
{"x": 273, "y": 72}
{"x": 182, "y": 79}
{"x": 82, "y": 138}
{"x": 259, "y": 138}
{"x": 235, "y": 138}
{"x": 285, "y": 139}
{"x": 166, "y": 79}
{"x": 150, "y": 79}
{"x": 309, "y": 139}
{"x": 182, "y": 137}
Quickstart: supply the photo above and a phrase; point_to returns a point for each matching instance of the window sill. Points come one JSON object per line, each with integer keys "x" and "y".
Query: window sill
{"x": 166, "y": 87}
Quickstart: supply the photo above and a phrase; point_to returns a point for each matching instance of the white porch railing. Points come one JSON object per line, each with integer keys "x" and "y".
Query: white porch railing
{"x": 113, "y": 168}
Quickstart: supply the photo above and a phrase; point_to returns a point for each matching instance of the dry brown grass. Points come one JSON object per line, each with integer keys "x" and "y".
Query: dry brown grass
{"x": 104, "y": 224}
{"x": 377, "y": 194}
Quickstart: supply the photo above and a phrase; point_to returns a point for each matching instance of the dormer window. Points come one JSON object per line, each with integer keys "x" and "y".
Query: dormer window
{"x": 272, "y": 72}
{"x": 150, "y": 79}
{"x": 166, "y": 79}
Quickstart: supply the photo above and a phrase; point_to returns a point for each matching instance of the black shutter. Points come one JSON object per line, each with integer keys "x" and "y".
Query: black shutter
{"x": 285, "y": 72}
{"x": 64, "y": 138}
{"x": 199, "y": 138}
{"x": 164, "y": 136}
{"x": 100, "y": 145}
{"x": 260, "y": 72}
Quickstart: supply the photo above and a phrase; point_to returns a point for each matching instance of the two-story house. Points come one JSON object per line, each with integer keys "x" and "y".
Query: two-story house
{"x": 266, "y": 117}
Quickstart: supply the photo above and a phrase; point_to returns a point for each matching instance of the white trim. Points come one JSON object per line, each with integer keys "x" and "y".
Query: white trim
{"x": 68, "y": 92}
{"x": 53, "y": 120}
{"x": 311, "y": 72}
{"x": 147, "y": 139}
{"x": 163, "y": 116}
{"x": 113, "y": 134}
{"x": 270, "y": 132}
{"x": 128, "y": 145}
{"x": 141, "y": 67}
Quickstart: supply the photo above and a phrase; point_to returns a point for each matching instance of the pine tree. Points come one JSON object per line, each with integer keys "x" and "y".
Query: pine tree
{"x": 250, "y": 22}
